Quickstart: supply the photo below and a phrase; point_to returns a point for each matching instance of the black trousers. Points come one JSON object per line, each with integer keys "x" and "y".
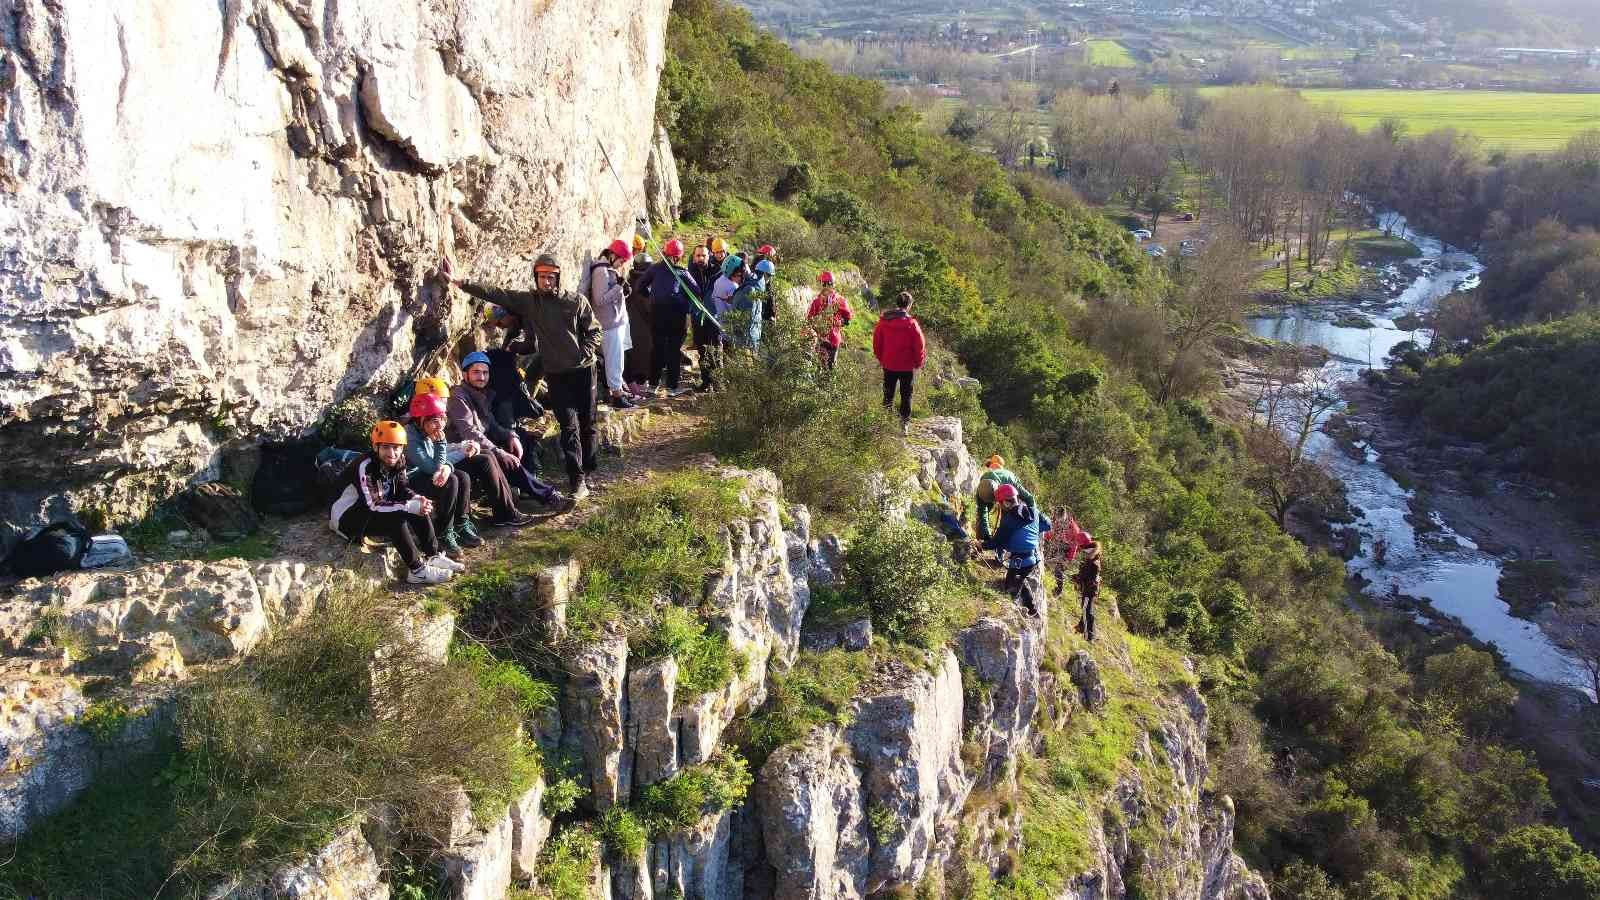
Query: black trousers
{"x": 412, "y": 535}
{"x": 572, "y": 402}
{"x": 903, "y": 380}
{"x": 449, "y": 499}
{"x": 1018, "y": 586}
{"x": 667, "y": 334}
{"x": 1088, "y": 616}
{"x": 492, "y": 482}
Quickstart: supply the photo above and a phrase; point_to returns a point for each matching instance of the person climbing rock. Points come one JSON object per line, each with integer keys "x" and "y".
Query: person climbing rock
{"x": 1088, "y": 582}
{"x": 995, "y": 474}
{"x": 470, "y": 415}
{"x": 1018, "y": 537}
{"x": 568, "y": 339}
{"x": 672, "y": 294}
{"x": 708, "y": 338}
{"x": 901, "y": 349}
{"x": 1062, "y": 545}
{"x": 430, "y": 473}
{"x": 827, "y": 316}
{"x": 608, "y": 296}
{"x": 636, "y": 367}
{"x": 376, "y": 501}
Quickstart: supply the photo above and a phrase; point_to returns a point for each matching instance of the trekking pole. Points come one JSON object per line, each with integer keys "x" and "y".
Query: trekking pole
{"x": 651, "y": 240}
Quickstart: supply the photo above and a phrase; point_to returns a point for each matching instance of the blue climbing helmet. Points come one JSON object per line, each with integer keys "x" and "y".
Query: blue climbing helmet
{"x": 473, "y": 358}
{"x": 765, "y": 267}
{"x": 732, "y": 264}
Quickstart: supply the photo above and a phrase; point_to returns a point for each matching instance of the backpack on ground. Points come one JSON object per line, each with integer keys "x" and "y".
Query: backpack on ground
{"x": 54, "y": 548}
{"x": 331, "y": 465}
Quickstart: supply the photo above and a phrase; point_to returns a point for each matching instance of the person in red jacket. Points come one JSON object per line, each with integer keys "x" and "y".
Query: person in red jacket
{"x": 898, "y": 344}
{"x": 828, "y": 315}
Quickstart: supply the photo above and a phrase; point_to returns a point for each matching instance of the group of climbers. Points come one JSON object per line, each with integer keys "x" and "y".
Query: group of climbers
{"x": 1025, "y": 538}
{"x": 414, "y": 489}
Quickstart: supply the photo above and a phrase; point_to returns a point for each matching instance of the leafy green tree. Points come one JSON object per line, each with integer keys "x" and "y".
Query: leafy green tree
{"x": 1540, "y": 862}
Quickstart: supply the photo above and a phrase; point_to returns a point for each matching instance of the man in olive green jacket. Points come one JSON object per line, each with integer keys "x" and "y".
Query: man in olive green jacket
{"x": 995, "y": 474}
{"x": 568, "y": 338}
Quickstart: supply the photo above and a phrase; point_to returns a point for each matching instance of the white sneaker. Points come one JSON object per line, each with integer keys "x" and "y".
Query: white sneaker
{"x": 582, "y": 492}
{"x": 446, "y": 563}
{"x": 427, "y": 574}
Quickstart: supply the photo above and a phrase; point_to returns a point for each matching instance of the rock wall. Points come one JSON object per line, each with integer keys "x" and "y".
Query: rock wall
{"x": 218, "y": 218}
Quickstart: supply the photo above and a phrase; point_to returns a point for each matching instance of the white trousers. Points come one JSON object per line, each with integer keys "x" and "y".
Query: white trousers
{"x": 614, "y": 346}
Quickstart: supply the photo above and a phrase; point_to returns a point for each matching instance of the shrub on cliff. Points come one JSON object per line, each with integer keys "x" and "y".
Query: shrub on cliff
{"x": 901, "y": 571}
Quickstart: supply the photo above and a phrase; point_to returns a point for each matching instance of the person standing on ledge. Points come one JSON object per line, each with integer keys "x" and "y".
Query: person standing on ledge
{"x": 568, "y": 339}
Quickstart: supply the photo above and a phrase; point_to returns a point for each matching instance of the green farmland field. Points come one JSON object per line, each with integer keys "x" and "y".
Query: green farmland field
{"x": 1110, "y": 54}
{"x": 1520, "y": 122}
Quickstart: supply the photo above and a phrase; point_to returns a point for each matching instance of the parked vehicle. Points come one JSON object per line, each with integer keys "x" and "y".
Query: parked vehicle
{"x": 1186, "y": 217}
{"x": 1155, "y": 250}
{"x": 1142, "y": 234}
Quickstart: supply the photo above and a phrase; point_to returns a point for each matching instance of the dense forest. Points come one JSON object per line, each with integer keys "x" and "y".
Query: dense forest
{"x": 1358, "y": 772}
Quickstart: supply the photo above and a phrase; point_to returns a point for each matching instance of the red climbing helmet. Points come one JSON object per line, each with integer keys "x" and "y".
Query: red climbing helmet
{"x": 673, "y": 249}
{"x": 621, "y": 250}
{"x": 766, "y": 250}
{"x": 425, "y": 405}
{"x": 826, "y": 278}
{"x": 1005, "y": 493}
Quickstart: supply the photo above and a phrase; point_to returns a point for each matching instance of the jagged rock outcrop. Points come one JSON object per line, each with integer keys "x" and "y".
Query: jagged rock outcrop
{"x": 663, "y": 196}
{"x": 218, "y": 219}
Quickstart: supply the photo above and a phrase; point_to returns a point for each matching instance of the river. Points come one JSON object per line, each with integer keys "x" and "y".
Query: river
{"x": 1457, "y": 578}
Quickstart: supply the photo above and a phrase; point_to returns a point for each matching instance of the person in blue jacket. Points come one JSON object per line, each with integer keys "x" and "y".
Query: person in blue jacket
{"x": 1021, "y": 527}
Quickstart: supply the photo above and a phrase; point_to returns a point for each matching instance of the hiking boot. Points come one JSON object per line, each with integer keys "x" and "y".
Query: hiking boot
{"x": 446, "y": 563}
{"x": 449, "y": 545}
{"x": 514, "y": 520}
{"x": 620, "y": 401}
{"x": 467, "y": 534}
{"x": 426, "y": 574}
{"x": 580, "y": 492}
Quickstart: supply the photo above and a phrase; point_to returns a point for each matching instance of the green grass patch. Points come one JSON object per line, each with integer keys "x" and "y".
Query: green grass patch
{"x": 817, "y": 690}
{"x": 1516, "y": 121}
{"x": 1110, "y": 54}
{"x": 568, "y": 861}
{"x": 705, "y": 661}
{"x": 107, "y": 721}
{"x": 683, "y": 800}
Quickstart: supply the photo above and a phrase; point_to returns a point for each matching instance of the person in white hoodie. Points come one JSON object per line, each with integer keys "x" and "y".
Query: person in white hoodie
{"x": 609, "y": 296}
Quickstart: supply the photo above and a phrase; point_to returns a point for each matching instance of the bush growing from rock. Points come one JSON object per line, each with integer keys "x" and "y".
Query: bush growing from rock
{"x": 898, "y": 569}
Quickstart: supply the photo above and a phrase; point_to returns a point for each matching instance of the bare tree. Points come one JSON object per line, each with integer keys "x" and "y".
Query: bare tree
{"x": 1202, "y": 301}
{"x": 1579, "y": 635}
{"x": 1288, "y": 410}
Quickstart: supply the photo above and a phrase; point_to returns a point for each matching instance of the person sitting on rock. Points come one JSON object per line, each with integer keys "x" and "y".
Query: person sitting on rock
{"x": 996, "y": 474}
{"x": 471, "y": 419}
{"x": 1018, "y": 537}
{"x": 376, "y": 501}
{"x": 569, "y": 338}
{"x": 430, "y": 473}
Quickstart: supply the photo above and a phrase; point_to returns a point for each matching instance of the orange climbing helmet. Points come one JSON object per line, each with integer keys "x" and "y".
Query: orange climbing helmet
{"x": 387, "y": 432}
{"x": 638, "y": 243}
{"x": 995, "y": 462}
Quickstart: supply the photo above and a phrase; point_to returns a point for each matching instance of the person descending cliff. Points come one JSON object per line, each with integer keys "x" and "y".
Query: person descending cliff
{"x": 768, "y": 254}
{"x": 1018, "y": 537}
{"x": 995, "y": 474}
{"x": 569, "y": 339}
{"x": 901, "y": 349}
{"x": 376, "y": 501}
{"x": 471, "y": 419}
{"x": 671, "y": 288}
{"x": 1088, "y": 582}
{"x": 827, "y": 316}
{"x": 608, "y": 296}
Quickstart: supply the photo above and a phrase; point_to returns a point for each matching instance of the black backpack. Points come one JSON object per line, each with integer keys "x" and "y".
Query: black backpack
{"x": 55, "y": 548}
{"x": 286, "y": 483}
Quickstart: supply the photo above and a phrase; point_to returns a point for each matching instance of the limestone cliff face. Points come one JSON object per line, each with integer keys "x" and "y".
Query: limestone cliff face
{"x": 217, "y": 218}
